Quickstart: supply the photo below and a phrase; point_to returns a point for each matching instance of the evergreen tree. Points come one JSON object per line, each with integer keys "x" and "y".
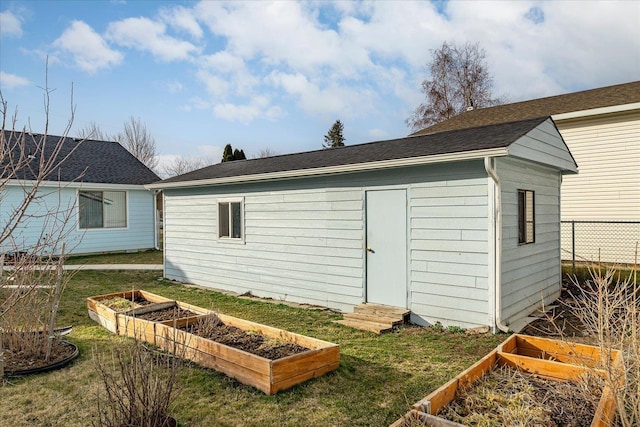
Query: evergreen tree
{"x": 334, "y": 138}
{"x": 227, "y": 154}
{"x": 239, "y": 155}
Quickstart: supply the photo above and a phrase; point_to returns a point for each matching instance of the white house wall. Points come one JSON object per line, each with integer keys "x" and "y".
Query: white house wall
{"x": 139, "y": 233}
{"x": 607, "y": 149}
{"x": 304, "y": 240}
{"x": 530, "y": 272}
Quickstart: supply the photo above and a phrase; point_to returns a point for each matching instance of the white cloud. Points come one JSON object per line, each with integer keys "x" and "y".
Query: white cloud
{"x": 330, "y": 99}
{"x": 9, "y": 81}
{"x": 259, "y": 107}
{"x": 147, "y": 35}
{"x": 182, "y": 19}
{"x": 223, "y": 61}
{"x": 281, "y": 33}
{"x": 216, "y": 86}
{"x": 89, "y": 50}
{"x": 173, "y": 86}
{"x": 10, "y": 24}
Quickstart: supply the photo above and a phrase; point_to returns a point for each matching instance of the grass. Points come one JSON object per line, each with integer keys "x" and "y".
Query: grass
{"x": 378, "y": 379}
{"x": 583, "y": 275}
{"x": 142, "y": 257}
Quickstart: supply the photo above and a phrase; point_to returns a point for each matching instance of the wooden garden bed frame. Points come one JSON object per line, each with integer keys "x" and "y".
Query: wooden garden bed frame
{"x": 547, "y": 358}
{"x": 269, "y": 376}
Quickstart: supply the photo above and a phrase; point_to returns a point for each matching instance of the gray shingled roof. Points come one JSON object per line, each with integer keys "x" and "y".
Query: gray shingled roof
{"x": 483, "y": 138}
{"x": 621, "y": 94}
{"x": 90, "y": 161}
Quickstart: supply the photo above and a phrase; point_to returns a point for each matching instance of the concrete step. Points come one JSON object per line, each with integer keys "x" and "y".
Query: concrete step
{"x": 374, "y": 327}
{"x": 393, "y": 321}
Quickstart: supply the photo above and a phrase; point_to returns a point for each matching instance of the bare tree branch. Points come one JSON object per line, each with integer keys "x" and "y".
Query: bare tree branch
{"x": 459, "y": 80}
{"x": 138, "y": 140}
{"x": 182, "y": 165}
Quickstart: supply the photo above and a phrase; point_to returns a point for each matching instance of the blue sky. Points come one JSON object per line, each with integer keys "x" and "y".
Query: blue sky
{"x": 278, "y": 74}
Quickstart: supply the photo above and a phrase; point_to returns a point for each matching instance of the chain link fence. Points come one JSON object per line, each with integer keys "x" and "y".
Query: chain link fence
{"x": 605, "y": 241}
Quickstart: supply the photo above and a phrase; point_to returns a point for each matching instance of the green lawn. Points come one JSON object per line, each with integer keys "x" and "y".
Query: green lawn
{"x": 378, "y": 379}
{"x": 142, "y": 257}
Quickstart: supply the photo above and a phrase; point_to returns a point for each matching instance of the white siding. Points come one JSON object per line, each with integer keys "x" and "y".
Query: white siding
{"x": 607, "y": 150}
{"x": 304, "y": 240}
{"x": 138, "y": 235}
{"x": 545, "y": 146}
{"x": 449, "y": 247}
{"x": 531, "y": 272}
{"x": 300, "y": 245}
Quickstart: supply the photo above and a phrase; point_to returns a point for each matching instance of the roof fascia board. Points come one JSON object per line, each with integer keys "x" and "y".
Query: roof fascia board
{"x": 71, "y": 184}
{"x": 597, "y": 111}
{"x": 359, "y": 167}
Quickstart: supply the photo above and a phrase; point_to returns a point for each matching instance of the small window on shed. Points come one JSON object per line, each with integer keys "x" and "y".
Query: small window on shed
{"x": 526, "y": 217}
{"x": 230, "y": 219}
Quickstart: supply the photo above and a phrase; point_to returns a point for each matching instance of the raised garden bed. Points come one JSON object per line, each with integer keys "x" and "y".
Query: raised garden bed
{"x": 535, "y": 360}
{"x": 178, "y": 332}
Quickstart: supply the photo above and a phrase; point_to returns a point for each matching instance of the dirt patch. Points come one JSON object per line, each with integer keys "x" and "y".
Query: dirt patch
{"x": 506, "y": 396}
{"x": 23, "y": 360}
{"x": 560, "y": 321}
{"x": 211, "y": 327}
{"x": 164, "y": 314}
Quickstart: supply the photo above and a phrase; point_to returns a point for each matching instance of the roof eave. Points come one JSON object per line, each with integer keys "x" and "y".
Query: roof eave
{"x": 330, "y": 170}
{"x": 76, "y": 184}
{"x": 597, "y": 111}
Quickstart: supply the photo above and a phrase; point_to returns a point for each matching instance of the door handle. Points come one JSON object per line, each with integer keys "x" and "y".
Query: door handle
{"x": 370, "y": 250}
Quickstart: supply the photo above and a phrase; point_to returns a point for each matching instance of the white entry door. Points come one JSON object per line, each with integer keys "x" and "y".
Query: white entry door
{"x": 387, "y": 247}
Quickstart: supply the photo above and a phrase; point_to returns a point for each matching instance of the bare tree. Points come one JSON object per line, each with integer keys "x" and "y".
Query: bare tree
{"x": 266, "y": 152}
{"x": 460, "y": 80}
{"x": 93, "y": 131}
{"x": 34, "y": 228}
{"x": 138, "y": 140}
{"x": 181, "y": 165}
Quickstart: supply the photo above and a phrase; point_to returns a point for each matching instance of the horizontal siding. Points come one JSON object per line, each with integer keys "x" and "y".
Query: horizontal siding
{"x": 304, "y": 240}
{"x": 607, "y": 150}
{"x": 544, "y": 145}
{"x": 530, "y": 273}
{"x": 448, "y": 262}
{"x": 300, "y": 245}
{"x": 138, "y": 235}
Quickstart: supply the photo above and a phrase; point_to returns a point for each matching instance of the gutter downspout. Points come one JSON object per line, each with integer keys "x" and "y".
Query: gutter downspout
{"x": 156, "y": 229}
{"x": 496, "y": 256}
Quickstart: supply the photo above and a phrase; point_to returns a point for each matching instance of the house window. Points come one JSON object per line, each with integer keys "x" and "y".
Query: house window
{"x": 526, "y": 217}
{"x": 102, "y": 209}
{"x": 230, "y": 219}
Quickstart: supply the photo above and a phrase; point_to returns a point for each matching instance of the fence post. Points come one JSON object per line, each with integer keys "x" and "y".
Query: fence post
{"x": 573, "y": 246}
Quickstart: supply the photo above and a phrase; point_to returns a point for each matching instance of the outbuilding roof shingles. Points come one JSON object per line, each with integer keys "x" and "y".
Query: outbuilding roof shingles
{"x": 90, "y": 161}
{"x": 627, "y": 93}
{"x": 466, "y": 140}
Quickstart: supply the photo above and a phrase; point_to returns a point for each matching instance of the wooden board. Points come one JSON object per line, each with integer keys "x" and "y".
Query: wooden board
{"x": 269, "y": 376}
{"x": 548, "y": 358}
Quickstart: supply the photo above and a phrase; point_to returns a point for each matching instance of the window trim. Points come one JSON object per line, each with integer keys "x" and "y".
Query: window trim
{"x": 95, "y": 190}
{"x": 523, "y": 221}
{"x": 230, "y": 239}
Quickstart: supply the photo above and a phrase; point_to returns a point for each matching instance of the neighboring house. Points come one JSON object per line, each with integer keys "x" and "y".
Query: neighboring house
{"x": 602, "y": 129}
{"x": 461, "y": 227}
{"x": 96, "y": 199}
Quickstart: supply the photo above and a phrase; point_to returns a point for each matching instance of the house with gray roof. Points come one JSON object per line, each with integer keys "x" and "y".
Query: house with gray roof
{"x": 600, "y": 205}
{"x": 459, "y": 227}
{"x": 95, "y": 197}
